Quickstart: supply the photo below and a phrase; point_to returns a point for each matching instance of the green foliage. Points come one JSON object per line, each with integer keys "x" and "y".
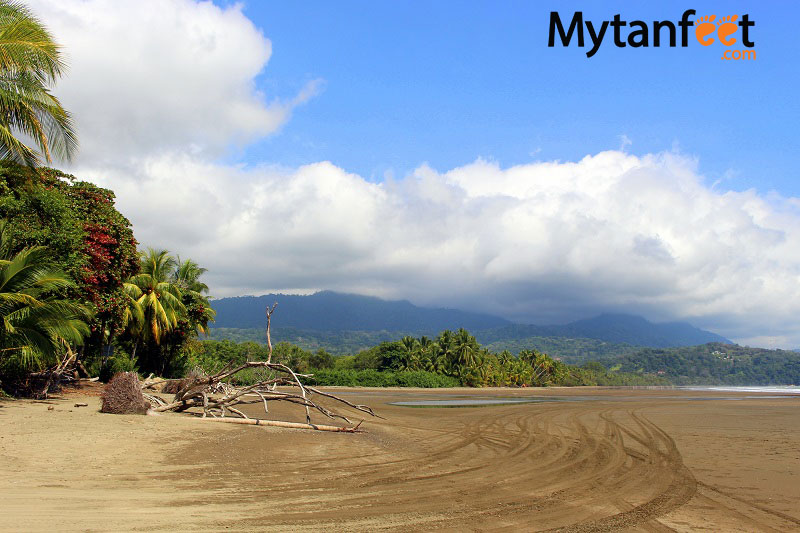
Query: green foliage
{"x": 30, "y": 63}
{"x": 716, "y": 364}
{"x": 570, "y": 349}
{"x": 595, "y": 366}
{"x": 155, "y": 301}
{"x": 37, "y": 325}
{"x": 609, "y": 364}
{"x": 84, "y": 234}
{"x": 365, "y": 359}
{"x": 321, "y": 360}
{"x": 612, "y": 329}
{"x": 119, "y": 362}
{"x": 151, "y": 311}
{"x": 334, "y": 342}
{"x": 166, "y": 309}
{"x": 375, "y": 378}
{"x": 449, "y": 360}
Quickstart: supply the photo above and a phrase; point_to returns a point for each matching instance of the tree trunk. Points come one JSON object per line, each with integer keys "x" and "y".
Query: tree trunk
{"x": 280, "y": 424}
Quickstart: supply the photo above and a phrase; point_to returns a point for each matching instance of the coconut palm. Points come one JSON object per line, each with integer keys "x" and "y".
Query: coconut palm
{"x": 30, "y": 63}
{"x": 187, "y": 276}
{"x": 199, "y": 311}
{"x": 155, "y": 299}
{"x": 411, "y": 355}
{"x": 466, "y": 350}
{"x": 36, "y": 325}
{"x": 444, "y": 352}
{"x": 542, "y": 368}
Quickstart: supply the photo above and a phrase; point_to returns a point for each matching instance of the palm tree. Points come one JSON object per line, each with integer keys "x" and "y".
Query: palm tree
{"x": 155, "y": 299}
{"x": 542, "y": 368}
{"x": 187, "y": 277}
{"x": 30, "y": 62}
{"x": 411, "y": 359}
{"x": 37, "y": 326}
{"x": 443, "y": 353}
{"x": 466, "y": 350}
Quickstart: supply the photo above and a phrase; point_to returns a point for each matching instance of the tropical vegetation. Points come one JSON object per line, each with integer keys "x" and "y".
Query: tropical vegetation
{"x": 71, "y": 278}
{"x": 75, "y": 286}
{"x": 38, "y": 326}
{"x": 72, "y": 228}
{"x": 452, "y": 358}
{"x": 714, "y": 364}
{"x": 30, "y": 63}
{"x": 167, "y": 306}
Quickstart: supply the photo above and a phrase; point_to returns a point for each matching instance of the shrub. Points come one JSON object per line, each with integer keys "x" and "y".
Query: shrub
{"x": 119, "y": 362}
{"x": 374, "y": 378}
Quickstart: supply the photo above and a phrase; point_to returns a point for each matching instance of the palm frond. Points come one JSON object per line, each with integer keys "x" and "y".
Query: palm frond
{"x": 30, "y": 62}
{"x": 36, "y": 325}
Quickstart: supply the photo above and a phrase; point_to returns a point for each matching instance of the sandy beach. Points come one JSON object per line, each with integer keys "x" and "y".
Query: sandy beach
{"x": 602, "y": 460}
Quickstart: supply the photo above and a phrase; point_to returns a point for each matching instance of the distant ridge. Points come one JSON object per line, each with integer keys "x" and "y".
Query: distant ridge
{"x": 330, "y": 311}
{"x": 333, "y": 311}
{"x": 614, "y": 328}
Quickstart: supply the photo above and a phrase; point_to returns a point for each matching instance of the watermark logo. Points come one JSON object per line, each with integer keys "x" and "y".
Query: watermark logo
{"x": 708, "y": 29}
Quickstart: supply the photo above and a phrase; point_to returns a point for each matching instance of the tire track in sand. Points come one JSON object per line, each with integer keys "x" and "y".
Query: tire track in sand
{"x": 567, "y": 467}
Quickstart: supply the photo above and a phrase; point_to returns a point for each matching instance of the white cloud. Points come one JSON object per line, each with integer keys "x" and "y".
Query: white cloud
{"x": 538, "y": 242}
{"x": 162, "y": 75}
{"x": 160, "y": 89}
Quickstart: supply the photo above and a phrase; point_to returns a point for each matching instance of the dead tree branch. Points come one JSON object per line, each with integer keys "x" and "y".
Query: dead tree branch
{"x": 270, "y": 310}
{"x": 215, "y": 394}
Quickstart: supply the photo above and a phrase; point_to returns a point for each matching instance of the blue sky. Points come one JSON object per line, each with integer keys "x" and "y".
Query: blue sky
{"x": 448, "y": 156}
{"x": 446, "y": 82}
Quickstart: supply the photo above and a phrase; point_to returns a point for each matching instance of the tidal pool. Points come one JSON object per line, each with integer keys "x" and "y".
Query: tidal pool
{"x": 460, "y": 401}
{"x": 472, "y": 402}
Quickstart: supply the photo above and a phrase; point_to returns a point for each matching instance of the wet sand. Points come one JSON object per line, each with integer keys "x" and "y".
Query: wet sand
{"x": 610, "y": 459}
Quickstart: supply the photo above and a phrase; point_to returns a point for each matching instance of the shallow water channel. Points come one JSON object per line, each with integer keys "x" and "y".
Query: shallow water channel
{"x": 473, "y": 402}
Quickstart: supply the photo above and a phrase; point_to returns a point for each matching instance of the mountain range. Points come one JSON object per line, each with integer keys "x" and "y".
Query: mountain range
{"x": 328, "y": 311}
{"x": 613, "y": 328}
{"x": 333, "y": 311}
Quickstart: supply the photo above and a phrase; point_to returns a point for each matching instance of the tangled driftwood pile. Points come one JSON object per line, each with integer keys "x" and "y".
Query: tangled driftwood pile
{"x": 69, "y": 370}
{"x": 220, "y": 401}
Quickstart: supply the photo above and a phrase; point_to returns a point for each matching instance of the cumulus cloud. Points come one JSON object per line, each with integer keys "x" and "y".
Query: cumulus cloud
{"x": 158, "y": 76}
{"x": 541, "y": 242}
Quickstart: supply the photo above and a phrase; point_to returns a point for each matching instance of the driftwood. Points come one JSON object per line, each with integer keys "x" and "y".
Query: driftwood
{"x": 280, "y": 424}
{"x": 221, "y": 401}
{"x": 270, "y": 310}
{"x": 65, "y": 371}
{"x": 68, "y": 370}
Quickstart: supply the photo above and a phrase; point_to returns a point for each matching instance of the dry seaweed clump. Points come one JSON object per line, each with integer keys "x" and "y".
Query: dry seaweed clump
{"x": 123, "y": 395}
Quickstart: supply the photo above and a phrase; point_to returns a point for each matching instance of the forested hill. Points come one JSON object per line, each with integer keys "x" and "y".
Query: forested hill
{"x": 331, "y": 311}
{"x": 714, "y": 363}
{"x": 613, "y": 328}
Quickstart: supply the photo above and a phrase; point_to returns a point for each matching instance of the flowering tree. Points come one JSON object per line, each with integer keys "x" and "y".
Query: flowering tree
{"x": 87, "y": 239}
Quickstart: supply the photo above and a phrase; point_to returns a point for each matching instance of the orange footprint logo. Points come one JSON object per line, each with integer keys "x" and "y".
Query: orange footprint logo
{"x": 704, "y": 26}
{"x": 727, "y": 26}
